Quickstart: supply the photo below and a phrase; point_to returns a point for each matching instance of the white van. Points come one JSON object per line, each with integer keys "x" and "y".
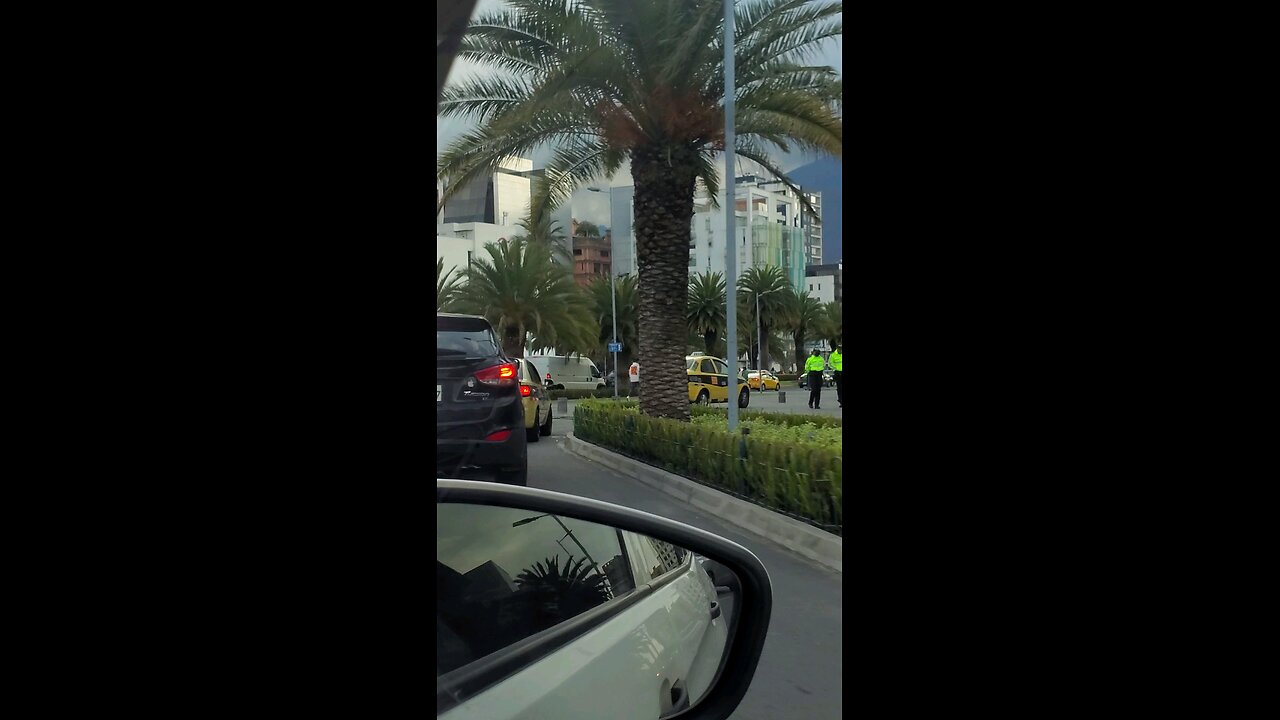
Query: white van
{"x": 569, "y": 372}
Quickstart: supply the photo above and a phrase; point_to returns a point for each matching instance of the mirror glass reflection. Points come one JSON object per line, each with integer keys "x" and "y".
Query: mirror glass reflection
{"x": 656, "y": 617}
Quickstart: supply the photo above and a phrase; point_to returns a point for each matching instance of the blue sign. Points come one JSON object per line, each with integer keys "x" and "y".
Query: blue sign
{"x": 615, "y": 347}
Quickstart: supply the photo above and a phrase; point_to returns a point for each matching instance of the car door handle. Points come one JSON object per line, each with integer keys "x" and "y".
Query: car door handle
{"x": 715, "y": 609}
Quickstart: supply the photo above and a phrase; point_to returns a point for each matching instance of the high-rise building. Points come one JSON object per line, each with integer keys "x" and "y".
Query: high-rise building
{"x": 499, "y": 199}
{"x": 813, "y": 230}
{"x": 621, "y": 228}
{"x": 769, "y": 218}
{"x": 783, "y": 232}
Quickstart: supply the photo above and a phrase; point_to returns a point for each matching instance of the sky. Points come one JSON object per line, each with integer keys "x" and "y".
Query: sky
{"x": 586, "y": 205}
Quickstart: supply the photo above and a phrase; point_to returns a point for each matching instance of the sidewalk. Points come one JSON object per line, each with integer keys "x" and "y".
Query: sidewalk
{"x": 801, "y": 538}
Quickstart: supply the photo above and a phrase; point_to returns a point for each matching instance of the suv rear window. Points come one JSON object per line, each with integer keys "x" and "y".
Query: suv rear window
{"x": 472, "y": 337}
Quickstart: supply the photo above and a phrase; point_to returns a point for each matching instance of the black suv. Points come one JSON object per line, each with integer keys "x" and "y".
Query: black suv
{"x": 479, "y": 416}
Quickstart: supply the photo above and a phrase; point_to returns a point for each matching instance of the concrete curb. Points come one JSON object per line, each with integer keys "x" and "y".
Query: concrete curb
{"x": 817, "y": 545}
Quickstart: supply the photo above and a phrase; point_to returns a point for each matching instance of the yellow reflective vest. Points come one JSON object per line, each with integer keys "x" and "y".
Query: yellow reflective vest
{"x": 836, "y": 360}
{"x": 813, "y": 363}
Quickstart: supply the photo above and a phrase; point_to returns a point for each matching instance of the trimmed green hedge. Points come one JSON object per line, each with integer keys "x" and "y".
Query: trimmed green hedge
{"x": 798, "y": 479}
{"x": 778, "y": 418}
{"x": 579, "y": 394}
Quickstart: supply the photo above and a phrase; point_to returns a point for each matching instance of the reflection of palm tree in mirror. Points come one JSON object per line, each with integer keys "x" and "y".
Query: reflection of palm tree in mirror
{"x": 561, "y": 593}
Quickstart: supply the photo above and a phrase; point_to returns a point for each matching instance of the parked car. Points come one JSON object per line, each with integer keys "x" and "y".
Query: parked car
{"x": 480, "y": 418}
{"x": 763, "y": 380}
{"x": 543, "y": 599}
{"x": 828, "y": 379}
{"x": 537, "y": 403}
{"x": 708, "y": 380}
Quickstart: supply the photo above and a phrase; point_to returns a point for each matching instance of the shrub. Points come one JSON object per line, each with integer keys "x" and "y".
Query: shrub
{"x": 777, "y": 418}
{"x": 785, "y": 466}
{"x": 579, "y": 394}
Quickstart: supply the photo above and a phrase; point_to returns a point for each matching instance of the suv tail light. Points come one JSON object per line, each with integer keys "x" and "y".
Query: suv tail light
{"x": 502, "y": 375}
{"x": 525, "y": 391}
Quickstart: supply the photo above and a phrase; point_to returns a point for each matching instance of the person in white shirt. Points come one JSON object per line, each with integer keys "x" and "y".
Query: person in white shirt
{"x": 634, "y": 371}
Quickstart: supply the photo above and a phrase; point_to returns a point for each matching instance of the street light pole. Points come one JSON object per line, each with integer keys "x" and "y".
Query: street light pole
{"x": 730, "y": 214}
{"x": 613, "y": 296}
{"x": 567, "y": 532}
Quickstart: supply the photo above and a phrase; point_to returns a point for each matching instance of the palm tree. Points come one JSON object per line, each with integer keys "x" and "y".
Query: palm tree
{"x": 519, "y": 290}
{"x": 588, "y": 230}
{"x": 602, "y": 313}
{"x": 446, "y": 287}
{"x": 562, "y": 592}
{"x": 705, "y": 311}
{"x": 607, "y": 81}
{"x": 770, "y": 285}
{"x": 804, "y": 313}
{"x": 830, "y": 327}
{"x": 540, "y": 228}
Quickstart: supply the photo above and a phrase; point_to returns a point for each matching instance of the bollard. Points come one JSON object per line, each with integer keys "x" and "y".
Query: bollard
{"x": 782, "y": 396}
{"x": 562, "y": 406}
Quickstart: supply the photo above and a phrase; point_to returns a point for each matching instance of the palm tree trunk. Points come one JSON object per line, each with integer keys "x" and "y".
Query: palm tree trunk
{"x": 709, "y": 341}
{"x": 513, "y": 341}
{"x": 798, "y": 338}
{"x": 664, "y": 184}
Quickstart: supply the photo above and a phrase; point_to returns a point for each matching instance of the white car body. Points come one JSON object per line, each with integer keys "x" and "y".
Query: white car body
{"x": 573, "y": 373}
{"x": 668, "y": 637}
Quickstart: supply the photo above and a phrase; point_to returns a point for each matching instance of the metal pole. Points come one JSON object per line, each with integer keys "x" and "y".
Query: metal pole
{"x": 758, "y": 333}
{"x": 613, "y": 290}
{"x": 613, "y": 300}
{"x": 731, "y": 247}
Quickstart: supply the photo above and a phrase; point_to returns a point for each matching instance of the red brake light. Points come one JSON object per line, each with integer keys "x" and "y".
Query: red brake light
{"x": 525, "y": 391}
{"x": 498, "y": 436}
{"x": 498, "y": 375}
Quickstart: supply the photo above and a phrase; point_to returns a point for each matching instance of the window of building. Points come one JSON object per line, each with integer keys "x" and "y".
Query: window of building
{"x": 604, "y": 253}
{"x": 577, "y": 251}
{"x": 597, "y": 268}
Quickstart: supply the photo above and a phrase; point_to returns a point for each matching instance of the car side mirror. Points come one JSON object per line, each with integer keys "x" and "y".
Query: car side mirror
{"x": 552, "y": 605}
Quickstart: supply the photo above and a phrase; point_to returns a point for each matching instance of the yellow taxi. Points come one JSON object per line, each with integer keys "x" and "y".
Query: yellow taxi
{"x": 537, "y": 404}
{"x": 762, "y": 380}
{"x": 709, "y": 381}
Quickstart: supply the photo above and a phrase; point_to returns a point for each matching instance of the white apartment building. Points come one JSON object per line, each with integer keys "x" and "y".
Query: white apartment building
{"x": 460, "y": 243}
{"x": 822, "y": 287}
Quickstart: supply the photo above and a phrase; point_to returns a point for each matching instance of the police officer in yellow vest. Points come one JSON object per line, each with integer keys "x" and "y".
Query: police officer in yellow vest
{"x": 836, "y": 361}
{"x": 813, "y": 365}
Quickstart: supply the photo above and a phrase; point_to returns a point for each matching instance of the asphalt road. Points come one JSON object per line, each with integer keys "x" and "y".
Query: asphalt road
{"x": 797, "y": 401}
{"x": 799, "y": 675}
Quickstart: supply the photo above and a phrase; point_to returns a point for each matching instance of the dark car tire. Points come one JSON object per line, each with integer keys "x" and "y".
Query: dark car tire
{"x": 704, "y": 398}
{"x": 531, "y": 434}
{"x": 513, "y": 476}
{"x": 546, "y": 426}
{"x": 744, "y": 398}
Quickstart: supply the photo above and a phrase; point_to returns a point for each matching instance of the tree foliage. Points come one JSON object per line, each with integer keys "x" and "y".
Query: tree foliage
{"x": 519, "y": 290}
{"x": 770, "y": 285}
{"x": 446, "y": 287}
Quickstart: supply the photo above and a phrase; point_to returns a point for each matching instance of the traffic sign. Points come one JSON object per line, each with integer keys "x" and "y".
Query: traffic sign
{"x": 615, "y": 347}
